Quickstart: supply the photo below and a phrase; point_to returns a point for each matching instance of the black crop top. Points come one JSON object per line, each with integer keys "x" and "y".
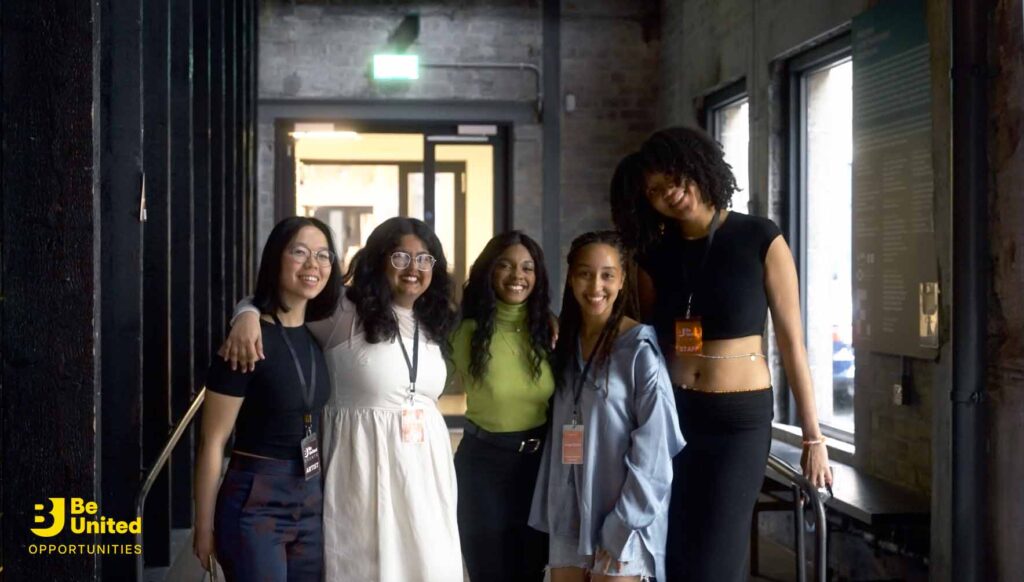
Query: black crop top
{"x": 270, "y": 421}
{"x": 729, "y": 296}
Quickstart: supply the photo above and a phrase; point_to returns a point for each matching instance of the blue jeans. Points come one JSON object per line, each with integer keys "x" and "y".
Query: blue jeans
{"x": 268, "y": 524}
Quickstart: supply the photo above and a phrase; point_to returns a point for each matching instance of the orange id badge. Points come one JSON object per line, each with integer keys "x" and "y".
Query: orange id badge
{"x": 689, "y": 335}
{"x": 572, "y": 444}
{"x": 412, "y": 424}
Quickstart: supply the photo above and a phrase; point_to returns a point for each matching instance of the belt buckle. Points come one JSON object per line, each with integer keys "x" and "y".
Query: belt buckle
{"x": 529, "y": 446}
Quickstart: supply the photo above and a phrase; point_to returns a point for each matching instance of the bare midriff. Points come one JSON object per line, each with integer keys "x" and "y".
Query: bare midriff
{"x": 731, "y": 365}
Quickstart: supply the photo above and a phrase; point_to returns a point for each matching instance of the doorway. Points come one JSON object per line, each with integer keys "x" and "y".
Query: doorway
{"x": 353, "y": 177}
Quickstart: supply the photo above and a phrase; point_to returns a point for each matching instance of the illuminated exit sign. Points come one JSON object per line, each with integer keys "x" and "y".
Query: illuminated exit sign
{"x": 405, "y": 67}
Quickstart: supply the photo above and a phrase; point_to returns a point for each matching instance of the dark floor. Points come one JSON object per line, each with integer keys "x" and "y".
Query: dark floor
{"x": 776, "y": 563}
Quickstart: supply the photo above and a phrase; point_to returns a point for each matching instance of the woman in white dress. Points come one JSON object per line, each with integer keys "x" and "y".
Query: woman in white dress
{"x": 389, "y": 481}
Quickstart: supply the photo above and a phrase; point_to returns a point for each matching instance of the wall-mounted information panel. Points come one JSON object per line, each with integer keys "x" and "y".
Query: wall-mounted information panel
{"x": 895, "y": 268}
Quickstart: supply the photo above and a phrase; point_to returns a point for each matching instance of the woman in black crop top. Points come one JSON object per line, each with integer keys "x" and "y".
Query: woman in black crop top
{"x": 265, "y": 521}
{"x": 707, "y": 280}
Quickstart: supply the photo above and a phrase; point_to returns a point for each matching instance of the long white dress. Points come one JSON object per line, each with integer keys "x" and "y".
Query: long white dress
{"x": 389, "y": 506}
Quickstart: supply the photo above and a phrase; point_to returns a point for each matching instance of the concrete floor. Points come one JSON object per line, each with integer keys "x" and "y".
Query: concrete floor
{"x": 776, "y": 561}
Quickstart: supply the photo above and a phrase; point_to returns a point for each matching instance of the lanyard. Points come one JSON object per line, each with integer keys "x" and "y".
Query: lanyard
{"x": 308, "y": 390}
{"x": 413, "y": 364}
{"x": 712, "y": 227}
{"x": 577, "y": 385}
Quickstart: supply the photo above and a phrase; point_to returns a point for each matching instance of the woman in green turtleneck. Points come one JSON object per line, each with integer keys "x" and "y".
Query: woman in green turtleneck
{"x": 500, "y": 359}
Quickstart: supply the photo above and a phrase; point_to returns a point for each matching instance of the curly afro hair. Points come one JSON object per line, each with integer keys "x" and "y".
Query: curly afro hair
{"x": 682, "y": 153}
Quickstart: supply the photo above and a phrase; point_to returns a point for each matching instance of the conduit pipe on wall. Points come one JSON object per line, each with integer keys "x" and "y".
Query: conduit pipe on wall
{"x": 971, "y": 276}
{"x": 513, "y": 66}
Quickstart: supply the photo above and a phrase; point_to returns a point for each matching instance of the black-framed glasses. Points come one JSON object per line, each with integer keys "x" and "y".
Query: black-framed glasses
{"x": 401, "y": 260}
{"x": 301, "y": 254}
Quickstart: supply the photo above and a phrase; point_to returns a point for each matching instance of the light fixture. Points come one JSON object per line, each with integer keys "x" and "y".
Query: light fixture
{"x": 396, "y": 67}
{"x": 347, "y": 135}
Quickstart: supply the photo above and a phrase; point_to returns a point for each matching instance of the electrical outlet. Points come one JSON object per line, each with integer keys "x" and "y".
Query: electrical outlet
{"x": 897, "y": 394}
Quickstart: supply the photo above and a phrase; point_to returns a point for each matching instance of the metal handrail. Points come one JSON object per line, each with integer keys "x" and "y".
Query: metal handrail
{"x": 803, "y": 488}
{"x": 154, "y": 472}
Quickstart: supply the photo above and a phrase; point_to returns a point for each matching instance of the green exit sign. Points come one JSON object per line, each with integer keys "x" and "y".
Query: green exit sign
{"x": 406, "y": 67}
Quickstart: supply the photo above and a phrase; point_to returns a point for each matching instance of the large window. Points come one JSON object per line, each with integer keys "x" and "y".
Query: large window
{"x": 822, "y": 217}
{"x": 728, "y": 121}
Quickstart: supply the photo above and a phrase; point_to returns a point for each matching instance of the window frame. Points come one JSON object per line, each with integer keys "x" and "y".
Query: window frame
{"x": 714, "y": 102}
{"x": 829, "y": 53}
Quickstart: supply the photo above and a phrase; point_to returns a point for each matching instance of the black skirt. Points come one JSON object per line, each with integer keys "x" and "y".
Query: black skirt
{"x": 717, "y": 478}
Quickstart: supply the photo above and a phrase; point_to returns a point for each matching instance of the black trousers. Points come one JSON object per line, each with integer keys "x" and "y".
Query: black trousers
{"x": 268, "y": 524}
{"x": 495, "y": 492}
{"x": 717, "y": 477}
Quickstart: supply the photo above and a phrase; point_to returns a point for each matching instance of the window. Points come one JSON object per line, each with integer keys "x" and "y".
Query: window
{"x": 821, "y": 220}
{"x": 728, "y": 121}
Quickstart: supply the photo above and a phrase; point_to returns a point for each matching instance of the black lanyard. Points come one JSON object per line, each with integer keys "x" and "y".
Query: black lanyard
{"x": 712, "y": 227}
{"x": 577, "y": 385}
{"x": 413, "y": 364}
{"x": 308, "y": 390}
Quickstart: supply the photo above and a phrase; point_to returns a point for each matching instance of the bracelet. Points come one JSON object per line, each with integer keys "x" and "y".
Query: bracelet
{"x": 817, "y": 441}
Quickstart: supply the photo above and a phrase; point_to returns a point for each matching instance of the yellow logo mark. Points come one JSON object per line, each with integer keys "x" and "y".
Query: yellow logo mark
{"x": 58, "y": 519}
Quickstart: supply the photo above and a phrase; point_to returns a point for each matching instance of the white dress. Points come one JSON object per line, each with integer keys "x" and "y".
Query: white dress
{"x": 389, "y": 506}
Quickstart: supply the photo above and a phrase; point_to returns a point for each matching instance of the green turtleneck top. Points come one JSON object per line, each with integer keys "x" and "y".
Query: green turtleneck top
{"x": 508, "y": 398}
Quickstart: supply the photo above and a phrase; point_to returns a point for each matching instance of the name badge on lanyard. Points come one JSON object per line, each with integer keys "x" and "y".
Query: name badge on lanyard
{"x": 689, "y": 332}
{"x": 412, "y": 427}
{"x": 309, "y": 446}
{"x": 689, "y": 335}
{"x": 572, "y": 444}
{"x": 310, "y": 455}
{"x": 572, "y": 434}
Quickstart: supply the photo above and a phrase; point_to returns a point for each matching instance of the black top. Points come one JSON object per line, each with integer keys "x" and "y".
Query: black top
{"x": 729, "y": 296}
{"x": 270, "y": 421}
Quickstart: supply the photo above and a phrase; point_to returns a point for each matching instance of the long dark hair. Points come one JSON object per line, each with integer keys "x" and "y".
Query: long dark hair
{"x": 682, "y": 153}
{"x": 631, "y": 212}
{"x": 267, "y": 297}
{"x": 369, "y": 290}
{"x": 479, "y": 301}
{"x": 570, "y": 321}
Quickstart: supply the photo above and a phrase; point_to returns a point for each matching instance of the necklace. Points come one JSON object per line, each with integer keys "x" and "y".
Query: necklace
{"x": 511, "y": 345}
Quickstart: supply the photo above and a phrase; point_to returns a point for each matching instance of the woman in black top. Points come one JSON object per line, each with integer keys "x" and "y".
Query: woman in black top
{"x": 266, "y": 521}
{"x": 707, "y": 280}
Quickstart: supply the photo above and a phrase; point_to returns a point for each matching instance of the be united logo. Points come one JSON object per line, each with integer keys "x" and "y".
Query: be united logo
{"x": 80, "y": 517}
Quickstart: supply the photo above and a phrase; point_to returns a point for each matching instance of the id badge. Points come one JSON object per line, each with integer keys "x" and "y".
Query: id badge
{"x": 689, "y": 336}
{"x": 572, "y": 444}
{"x": 310, "y": 456}
{"x": 412, "y": 424}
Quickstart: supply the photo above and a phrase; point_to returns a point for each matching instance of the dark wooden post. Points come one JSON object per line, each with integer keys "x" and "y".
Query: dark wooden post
{"x": 230, "y": 155}
{"x": 218, "y": 279}
{"x": 50, "y": 247}
{"x": 121, "y": 261}
{"x": 201, "y": 186}
{"x": 181, "y": 305}
{"x": 156, "y": 357}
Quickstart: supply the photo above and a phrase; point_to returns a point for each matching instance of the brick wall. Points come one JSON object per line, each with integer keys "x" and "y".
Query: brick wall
{"x": 609, "y": 63}
{"x": 1006, "y": 320}
{"x": 322, "y": 50}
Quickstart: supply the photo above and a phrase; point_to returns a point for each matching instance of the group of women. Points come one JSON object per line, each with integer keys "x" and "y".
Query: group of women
{"x": 626, "y": 439}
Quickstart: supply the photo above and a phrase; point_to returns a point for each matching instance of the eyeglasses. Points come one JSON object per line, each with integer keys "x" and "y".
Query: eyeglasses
{"x": 401, "y": 260}
{"x": 300, "y": 255}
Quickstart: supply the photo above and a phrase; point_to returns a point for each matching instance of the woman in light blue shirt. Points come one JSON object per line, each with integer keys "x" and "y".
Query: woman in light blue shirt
{"x": 605, "y": 478}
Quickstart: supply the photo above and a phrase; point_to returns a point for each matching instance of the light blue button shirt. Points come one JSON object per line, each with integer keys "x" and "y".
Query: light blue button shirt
{"x": 618, "y": 498}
